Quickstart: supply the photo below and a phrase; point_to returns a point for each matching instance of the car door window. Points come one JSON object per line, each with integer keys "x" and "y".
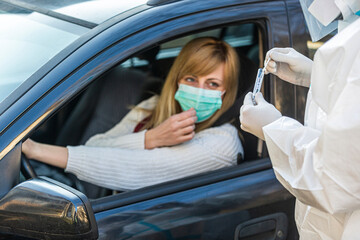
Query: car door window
{"x": 107, "y": 100}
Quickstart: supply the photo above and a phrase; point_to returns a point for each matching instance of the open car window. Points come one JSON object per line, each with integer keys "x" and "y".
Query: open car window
{"x": 104, "y": 103}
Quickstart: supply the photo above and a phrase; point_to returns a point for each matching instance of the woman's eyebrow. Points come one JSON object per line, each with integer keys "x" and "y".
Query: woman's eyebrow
{"x": 190, "y": 75}
{"x": 214, "y": 78}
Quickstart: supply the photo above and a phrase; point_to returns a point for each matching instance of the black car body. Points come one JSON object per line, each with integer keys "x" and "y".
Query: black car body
{"x": 242, "y": 202}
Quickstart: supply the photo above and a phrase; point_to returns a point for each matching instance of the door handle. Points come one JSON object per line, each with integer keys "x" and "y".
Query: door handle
{"x": 269, "y": 227}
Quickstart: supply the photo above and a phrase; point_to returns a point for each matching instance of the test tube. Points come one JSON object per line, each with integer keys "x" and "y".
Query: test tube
{"x": 258, "y": 81}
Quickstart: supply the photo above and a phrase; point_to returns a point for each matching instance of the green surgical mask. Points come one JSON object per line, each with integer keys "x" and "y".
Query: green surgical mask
{"x": 205, "y": 102}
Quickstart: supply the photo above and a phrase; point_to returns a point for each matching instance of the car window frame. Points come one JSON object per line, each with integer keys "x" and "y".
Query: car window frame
{"x": 202, "y": 179}
{"x": 78, "y": 80}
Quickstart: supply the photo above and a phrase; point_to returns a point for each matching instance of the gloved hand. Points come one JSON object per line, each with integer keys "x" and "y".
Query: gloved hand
{"x": 289, "y": 65}
{"x": 254, "y": 117}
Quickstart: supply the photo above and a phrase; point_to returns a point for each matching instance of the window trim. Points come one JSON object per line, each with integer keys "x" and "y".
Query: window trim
{"x": 73, "y": 84}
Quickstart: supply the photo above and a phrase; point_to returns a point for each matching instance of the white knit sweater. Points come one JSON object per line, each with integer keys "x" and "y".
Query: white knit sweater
{"x": 118, "y": 159}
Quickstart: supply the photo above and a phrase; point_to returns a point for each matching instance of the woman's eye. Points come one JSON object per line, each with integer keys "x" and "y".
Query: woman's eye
{"x": 213, "y": 85}
{"x": 189, "y": 79}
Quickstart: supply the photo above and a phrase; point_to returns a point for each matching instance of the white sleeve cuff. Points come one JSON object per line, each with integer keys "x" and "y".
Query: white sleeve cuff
{"x": 76, "y": 159}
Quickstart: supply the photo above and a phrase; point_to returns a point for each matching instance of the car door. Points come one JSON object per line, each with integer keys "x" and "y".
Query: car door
{"x": 245, "y": 201}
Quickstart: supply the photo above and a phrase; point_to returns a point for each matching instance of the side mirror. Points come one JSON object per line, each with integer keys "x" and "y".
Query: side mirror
{"x": 46, "y": 209}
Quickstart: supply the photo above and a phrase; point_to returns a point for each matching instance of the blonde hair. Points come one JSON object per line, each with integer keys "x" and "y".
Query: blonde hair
{"x": 200, "y": 56}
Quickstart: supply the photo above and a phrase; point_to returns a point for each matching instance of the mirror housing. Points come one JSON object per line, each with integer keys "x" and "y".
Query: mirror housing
{"x": 46, "y": 209}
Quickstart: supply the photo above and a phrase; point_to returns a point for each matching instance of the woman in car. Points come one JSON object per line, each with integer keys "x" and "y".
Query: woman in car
{"x": 164, "y": 137}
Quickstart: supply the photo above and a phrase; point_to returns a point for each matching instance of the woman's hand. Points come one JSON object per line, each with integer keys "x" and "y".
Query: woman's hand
{"x": 177, "y": 129}
{"x": 49, "y": 154}
{"x": 29, "y": 148}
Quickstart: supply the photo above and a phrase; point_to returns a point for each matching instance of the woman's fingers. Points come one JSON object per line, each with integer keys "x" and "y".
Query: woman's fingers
{"x": 185, "y": 119}
{"x": 177, "y": 129}
{"x": 187, "y": 137}
{"x": 185, "y": 115}
{"x": 187, "y": 122}
{"x": 185, "y": 126}
{"x": 187, "y": 130}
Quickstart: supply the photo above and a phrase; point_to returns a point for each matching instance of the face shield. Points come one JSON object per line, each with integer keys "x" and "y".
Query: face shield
{"x": 321, "y": 15}
{"x": 320, "y": 19}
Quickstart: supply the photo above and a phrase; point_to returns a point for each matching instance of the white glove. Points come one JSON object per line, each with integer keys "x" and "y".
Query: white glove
{"x": 254, "y": 117}
{"x": 289, "y": 65}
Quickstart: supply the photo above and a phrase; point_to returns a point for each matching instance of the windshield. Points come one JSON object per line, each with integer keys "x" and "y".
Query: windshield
{"x": 27, "y": 41}
{"x": 31, "y": 32}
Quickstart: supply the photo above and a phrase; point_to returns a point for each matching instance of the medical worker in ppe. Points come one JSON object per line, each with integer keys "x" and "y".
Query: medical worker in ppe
{"x": 318, "y": 162}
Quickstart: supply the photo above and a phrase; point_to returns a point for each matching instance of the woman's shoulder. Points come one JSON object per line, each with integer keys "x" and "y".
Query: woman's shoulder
{"x": 136, "y": 115}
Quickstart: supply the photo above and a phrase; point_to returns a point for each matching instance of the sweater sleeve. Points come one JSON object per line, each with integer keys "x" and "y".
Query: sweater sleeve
{"x": 128, "y": 141}
{"x": 123, "y": 168}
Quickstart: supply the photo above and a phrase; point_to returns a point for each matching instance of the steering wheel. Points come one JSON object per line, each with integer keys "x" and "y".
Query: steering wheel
{"x": 26, "y": 168}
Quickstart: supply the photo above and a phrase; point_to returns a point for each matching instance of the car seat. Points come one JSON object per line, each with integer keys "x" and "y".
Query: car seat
{"x": 97, "y": 111}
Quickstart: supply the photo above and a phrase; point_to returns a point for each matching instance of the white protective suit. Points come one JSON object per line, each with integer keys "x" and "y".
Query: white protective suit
{"x": 319, "y": 162}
